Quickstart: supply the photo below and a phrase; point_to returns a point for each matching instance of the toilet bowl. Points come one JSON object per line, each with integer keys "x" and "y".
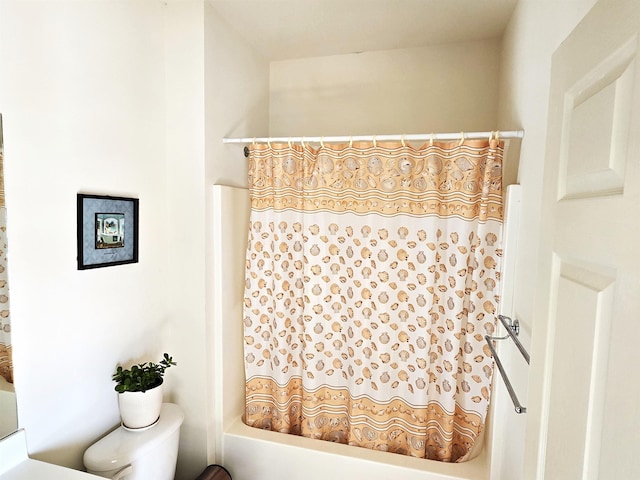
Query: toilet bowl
{"x": 149, "y": 454}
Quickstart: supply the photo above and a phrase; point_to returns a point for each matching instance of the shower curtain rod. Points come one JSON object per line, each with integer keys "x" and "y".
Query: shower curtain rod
{"x": 380, "y": 138}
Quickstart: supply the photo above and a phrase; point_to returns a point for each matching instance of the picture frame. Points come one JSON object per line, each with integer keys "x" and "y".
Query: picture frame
{"x": 107, "y": 231}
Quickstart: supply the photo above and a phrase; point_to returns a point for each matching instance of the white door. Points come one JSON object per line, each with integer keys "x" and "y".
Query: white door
{"x": 590, "y": 412}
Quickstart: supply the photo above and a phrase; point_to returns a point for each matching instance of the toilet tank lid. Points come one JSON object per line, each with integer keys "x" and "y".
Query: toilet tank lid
{"x": 122, "y": 447}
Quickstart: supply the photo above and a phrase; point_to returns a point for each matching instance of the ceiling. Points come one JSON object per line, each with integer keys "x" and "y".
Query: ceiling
{"x": 286, "y": 29}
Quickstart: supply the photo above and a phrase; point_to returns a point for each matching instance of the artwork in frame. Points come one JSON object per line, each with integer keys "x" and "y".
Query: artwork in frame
{"x": 107, "y": 231}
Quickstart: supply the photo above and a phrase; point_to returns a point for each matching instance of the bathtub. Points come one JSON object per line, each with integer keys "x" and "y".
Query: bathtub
{"x": 254, "y": 454}
{"x": 251, "y": 453}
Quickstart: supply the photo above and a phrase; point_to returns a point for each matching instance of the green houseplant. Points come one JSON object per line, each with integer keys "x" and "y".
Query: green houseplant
{"x": 141, "y": 377}
{"x": 140, "y": 392}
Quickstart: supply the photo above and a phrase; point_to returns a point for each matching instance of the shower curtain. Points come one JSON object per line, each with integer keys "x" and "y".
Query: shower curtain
{"x": 6, "y": 363}
{"x": 372, "y": 276}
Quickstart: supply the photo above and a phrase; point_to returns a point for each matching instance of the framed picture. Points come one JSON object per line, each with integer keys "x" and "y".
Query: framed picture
{"x": 107, "y": 231}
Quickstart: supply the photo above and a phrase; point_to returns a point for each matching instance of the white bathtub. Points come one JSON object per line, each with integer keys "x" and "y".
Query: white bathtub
{"x": 254, "y": 454}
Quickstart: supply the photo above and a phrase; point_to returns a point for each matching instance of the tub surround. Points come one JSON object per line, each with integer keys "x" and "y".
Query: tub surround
{"x": 15, "y": 463}
{"x": 8, "y": 411}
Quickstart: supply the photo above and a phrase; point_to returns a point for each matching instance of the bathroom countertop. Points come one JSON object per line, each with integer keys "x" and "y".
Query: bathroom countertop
{"x": 35, "y": 470}
{"x": 15, "y": 463}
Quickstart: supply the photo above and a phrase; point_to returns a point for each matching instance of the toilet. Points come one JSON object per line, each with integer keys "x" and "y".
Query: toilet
{"x": 148, "y": 454}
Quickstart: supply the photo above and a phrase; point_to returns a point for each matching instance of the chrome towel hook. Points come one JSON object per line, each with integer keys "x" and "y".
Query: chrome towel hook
{"x": 513, "y": 329}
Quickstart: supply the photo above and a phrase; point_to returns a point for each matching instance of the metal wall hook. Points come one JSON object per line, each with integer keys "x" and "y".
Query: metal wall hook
{"x": 510, "y": 326}
{"x": 513, "y": 329}
{"x": 513, "y": 324}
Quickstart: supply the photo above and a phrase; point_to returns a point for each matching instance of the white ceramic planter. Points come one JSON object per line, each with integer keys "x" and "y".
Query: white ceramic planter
{"x": 140, "y": 409}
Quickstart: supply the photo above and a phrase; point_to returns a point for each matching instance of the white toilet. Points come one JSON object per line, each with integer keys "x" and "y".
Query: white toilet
{"x": 149, "y": 454}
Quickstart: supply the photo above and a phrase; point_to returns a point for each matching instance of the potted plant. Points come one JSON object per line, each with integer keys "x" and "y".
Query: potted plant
{"x": 140, "y": 392}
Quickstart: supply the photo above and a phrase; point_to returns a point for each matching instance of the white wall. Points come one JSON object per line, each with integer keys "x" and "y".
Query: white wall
{"x": 237, "y": 105}
{"x": 122, "y": 98}
{"x": 236, "y": 98}
{"x": 81, "y": 92}
{"x": 535, "y": 31}
{"x": 184, "y": 226}
{"x": 443, "y": 88}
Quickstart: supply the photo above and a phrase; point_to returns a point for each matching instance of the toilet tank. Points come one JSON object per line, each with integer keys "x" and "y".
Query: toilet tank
{"x": 148, "y": 454}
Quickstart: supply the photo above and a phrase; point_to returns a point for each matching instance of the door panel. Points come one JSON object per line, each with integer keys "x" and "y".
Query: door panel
{"x": 591, "y": 217}
{"x": 579, "y": 377}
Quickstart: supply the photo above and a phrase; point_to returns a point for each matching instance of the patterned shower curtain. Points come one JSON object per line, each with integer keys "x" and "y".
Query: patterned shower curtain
{"x": 372, "y": 276}
{"x": 6, "y": 363}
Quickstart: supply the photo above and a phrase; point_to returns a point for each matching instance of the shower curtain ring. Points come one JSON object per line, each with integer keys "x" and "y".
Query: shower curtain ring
{"x": 402, "y": 140}
{"x": 321, "y": 142}
{"x": 461, "y": 139}
{"x": 431, "y": 140}
{"x": 374, "y": 142}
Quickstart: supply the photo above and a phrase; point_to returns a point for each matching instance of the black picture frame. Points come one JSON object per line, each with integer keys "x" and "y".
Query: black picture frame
{"x": 107, "y": 231}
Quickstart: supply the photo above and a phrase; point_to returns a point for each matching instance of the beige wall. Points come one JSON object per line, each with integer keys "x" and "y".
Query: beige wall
{"x": 444, "y": 88}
